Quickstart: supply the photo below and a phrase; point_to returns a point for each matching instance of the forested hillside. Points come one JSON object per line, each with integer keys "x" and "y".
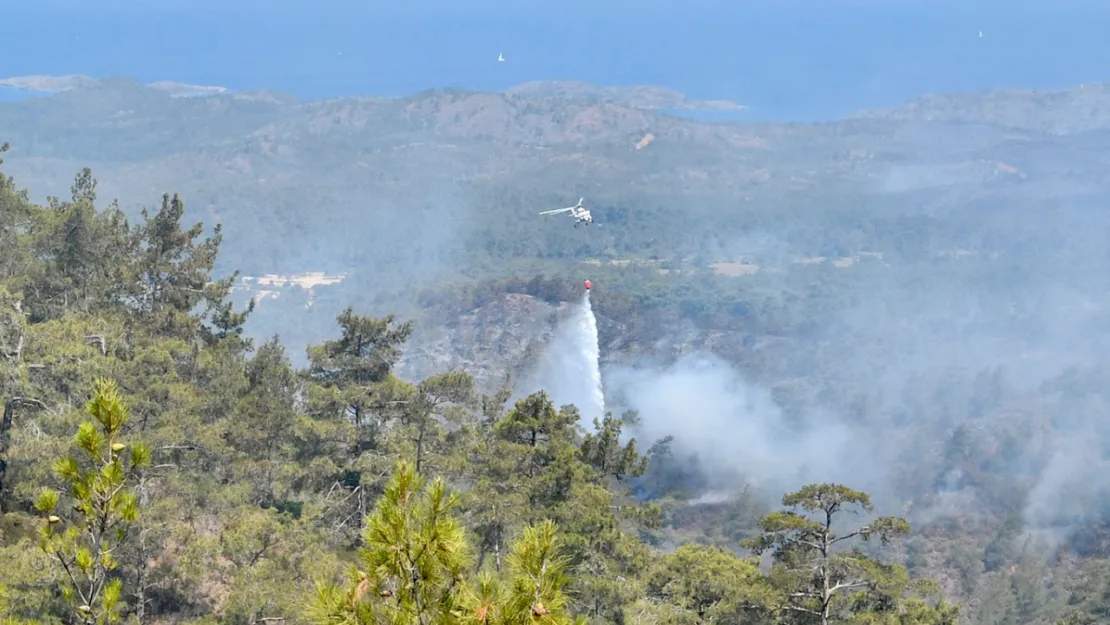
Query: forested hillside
{"x": 447, "y": 183}
{"x": 157, "y": 467}
{"x": 899, "y": 322}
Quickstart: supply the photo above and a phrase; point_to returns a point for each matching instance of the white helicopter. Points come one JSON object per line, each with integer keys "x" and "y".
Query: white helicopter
{"x": 580, "y": 213}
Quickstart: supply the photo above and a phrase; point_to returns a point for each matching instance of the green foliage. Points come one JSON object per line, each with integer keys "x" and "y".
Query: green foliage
{"x": 169, "y": 275}
{"x": 6, "y": 611}
{"x": 437, "y": 401}
{"x": 411, "y": 570}
{"x": 261, "y": 475}
{"x": 821, "y": 576}
{"x": 351, "y": 377}
{"x": 532, "y": 591}
{"x": 256, "y": 480}
{"x": 414, "y": 566}
{"x": 604, "y": 452}
{"x": 353, "y": 399}
{"x": 364, "y": 354}
{"x": 699, "y": 584}
{"x": 85, "y": 545}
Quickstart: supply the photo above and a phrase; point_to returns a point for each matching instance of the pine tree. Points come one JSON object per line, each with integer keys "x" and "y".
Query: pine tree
{"x": 821, "y": 579}
{"x": 84, "y": 546}
{"x": 412, "y": 566}
{"x": 413, "y": 569}
{"x": 531, "y": 591}
{"x": 537, "y": 574}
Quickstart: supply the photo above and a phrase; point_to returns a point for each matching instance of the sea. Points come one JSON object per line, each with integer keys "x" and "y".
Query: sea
{"x": 787, "y": 60}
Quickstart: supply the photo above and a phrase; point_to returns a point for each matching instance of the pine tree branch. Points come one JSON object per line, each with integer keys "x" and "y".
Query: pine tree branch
{"x": 794, "y": 608}
{"x": 844, "y": 585}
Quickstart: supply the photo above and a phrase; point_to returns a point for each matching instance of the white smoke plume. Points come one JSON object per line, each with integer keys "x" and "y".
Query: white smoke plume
{"x": 736, "y": 431}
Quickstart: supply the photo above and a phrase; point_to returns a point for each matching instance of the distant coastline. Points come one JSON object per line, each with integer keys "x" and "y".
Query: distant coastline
{"x": 14, "y": 94}
{"x": 49, "y": 85}
{"x": 659, "y": 99}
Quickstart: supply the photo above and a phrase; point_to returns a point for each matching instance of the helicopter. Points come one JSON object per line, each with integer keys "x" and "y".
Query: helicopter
{"x": 580, "y": 213}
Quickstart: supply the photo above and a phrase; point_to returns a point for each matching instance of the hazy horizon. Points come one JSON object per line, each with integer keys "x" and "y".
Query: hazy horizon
{"x": 798, "y": 62}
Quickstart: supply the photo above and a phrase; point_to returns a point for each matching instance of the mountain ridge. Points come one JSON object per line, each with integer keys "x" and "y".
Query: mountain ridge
{"x": 469, "y": 169}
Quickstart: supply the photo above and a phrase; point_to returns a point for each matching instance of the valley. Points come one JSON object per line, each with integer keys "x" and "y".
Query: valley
{"x": 909, "y": 302}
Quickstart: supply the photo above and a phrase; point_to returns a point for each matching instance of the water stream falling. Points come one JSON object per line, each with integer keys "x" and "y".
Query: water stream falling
{"x": 570, "y": 368}
{"x": 591, "y": 358}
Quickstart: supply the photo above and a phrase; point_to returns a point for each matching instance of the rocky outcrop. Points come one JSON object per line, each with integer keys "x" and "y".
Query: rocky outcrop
{"x": 501, "y": 337}
{"x": 508, "y": 336}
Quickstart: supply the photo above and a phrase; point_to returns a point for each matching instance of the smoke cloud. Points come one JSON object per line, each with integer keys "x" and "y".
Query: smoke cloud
{"x": 733, "y": 429}
{"x": 961, "y": 379}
